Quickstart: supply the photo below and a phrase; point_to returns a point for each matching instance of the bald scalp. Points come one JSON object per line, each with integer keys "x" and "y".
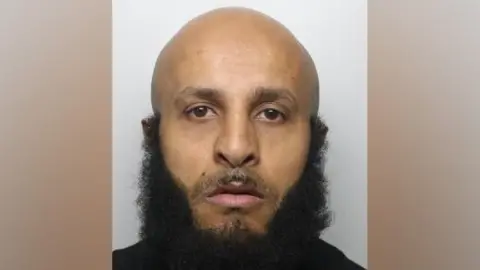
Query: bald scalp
{"x": 221, "y": 25}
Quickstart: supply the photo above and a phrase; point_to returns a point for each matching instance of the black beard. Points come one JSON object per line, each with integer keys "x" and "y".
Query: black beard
{"x": 172, "y": 241}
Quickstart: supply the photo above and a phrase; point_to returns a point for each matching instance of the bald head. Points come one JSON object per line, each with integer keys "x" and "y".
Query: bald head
{"x": 227, "y": 44}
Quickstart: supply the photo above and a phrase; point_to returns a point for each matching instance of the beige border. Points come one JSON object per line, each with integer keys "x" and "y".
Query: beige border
{"x": 55, "y": 151}
{"x": 423, "y": 135}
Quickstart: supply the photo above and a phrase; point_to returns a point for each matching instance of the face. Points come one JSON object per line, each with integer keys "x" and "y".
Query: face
{"x": 235, "y": 130}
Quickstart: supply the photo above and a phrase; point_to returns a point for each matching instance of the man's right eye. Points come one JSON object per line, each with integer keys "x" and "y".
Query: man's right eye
{"x": 200, "y": 112}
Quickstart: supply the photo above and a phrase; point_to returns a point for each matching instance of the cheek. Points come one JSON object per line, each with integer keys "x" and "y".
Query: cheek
{"x": 186, "y": 154}
{"x": 283, "y": 159}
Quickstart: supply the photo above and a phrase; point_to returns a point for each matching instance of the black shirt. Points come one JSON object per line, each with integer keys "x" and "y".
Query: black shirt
{"x": 322, "y": 256}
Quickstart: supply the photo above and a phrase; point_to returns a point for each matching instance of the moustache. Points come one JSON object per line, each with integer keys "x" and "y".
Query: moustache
{"x": 240, "y": 178}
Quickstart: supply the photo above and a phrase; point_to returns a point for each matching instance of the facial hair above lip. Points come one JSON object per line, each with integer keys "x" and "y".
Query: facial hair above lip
{"x": 235, "y": 181}
{"x": 233, "y": 189}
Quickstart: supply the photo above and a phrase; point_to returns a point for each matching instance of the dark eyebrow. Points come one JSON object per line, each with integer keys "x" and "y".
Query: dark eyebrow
{"x": 205, "y": 93}
{"x": 266, "y": 95}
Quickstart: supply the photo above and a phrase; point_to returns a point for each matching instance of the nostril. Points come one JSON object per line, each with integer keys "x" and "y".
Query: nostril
{"x": 233, "y": 161}
{"x": 249, "y": 159}
{"x": 221, "y": 157}
{"x": 224, "y": 160}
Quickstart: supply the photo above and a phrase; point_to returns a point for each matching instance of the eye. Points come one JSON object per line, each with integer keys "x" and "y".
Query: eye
{"x": 200, "y": 112}
{"x": 272, "y": 115}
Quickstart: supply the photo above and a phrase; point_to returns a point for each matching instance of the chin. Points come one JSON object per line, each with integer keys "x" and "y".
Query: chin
{"x": 232, "y": 224}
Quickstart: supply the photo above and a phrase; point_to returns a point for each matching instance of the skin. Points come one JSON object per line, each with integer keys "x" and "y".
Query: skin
{"x": 235, "y": 89}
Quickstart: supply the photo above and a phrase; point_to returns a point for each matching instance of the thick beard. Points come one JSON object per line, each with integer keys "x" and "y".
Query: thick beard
{"x": 170, "y": 238}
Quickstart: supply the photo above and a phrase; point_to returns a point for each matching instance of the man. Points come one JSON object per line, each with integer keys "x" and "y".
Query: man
{"x": 231, "y": 177}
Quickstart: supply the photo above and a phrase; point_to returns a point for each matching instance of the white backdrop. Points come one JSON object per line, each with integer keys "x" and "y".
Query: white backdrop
{"x": 334, "y": 32}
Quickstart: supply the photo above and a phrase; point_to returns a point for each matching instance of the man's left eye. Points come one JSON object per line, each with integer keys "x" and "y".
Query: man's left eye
{"x": 272, "y": 115}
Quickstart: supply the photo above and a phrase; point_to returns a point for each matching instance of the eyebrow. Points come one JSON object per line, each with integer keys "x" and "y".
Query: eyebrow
{"x": 260, "y": 95}
{"x": 266, "y": 94}
{"x": 204, "y": 93}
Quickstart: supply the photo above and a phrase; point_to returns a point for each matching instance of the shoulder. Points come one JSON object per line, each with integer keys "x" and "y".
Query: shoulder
{"x": 128, "y": 258}
{"x": 326, "y": 256}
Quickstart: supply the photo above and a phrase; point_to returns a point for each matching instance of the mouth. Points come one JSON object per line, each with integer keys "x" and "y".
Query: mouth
{"x": 232, "y": 196}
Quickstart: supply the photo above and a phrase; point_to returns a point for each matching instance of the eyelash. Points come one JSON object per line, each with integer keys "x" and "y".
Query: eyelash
{"x": 191, "y": 110}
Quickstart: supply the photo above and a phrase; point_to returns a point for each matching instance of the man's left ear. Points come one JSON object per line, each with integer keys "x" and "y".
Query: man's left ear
{"x": 147, "y": 127}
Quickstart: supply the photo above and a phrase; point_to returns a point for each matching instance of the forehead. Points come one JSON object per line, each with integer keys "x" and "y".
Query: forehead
{"x": 237, "y": 65}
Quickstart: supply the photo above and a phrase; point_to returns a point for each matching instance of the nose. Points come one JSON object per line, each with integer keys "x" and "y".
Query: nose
{"x": 237, "y": 146}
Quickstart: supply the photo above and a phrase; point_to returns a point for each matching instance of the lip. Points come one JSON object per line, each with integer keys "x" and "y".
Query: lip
{"x": 235, "y": 197}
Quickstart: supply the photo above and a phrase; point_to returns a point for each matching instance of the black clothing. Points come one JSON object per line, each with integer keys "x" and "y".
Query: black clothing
{"x": 321, "y": 256}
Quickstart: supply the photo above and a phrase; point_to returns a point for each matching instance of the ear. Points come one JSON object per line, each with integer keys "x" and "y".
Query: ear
{"x": 147, "y": 127}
